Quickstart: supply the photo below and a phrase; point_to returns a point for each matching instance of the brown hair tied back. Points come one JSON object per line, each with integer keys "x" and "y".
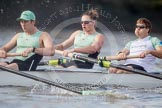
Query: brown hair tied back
{"x": 93, "y": 14}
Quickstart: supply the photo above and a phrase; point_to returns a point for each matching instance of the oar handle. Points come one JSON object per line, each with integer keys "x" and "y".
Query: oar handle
{"x": 13, "y": 54}
{"x": 117, "y": 57}
{"x": 61, "y": 52}
{"x": 58, "y": 52}
{"x": 132, "y": 56}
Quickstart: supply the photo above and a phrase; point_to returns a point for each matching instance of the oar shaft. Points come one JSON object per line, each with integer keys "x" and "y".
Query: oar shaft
{"x": 109, "y": 64}
{"x": 85, "y": 58}
{"x": 37, "y": 79}
{"x": 136, "y": 71}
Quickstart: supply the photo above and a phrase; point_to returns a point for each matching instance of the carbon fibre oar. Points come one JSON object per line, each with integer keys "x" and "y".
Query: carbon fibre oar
{"x": 104, "y": 57}
{"x": 76, "y": 90}
{"x": 39, "y": 79}
{"x": 108, "y": 64}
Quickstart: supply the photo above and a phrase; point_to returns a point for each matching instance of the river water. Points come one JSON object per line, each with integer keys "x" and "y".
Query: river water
{"x": 121, "y": 97}
{"x": 22, "y": 97}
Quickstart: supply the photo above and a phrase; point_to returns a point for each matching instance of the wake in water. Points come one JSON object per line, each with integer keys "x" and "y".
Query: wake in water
{"x": 40, "y": 89}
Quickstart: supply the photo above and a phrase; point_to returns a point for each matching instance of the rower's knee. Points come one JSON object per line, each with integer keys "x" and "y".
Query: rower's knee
{"x": 13, "y": 66}
{"x": 3, "y": 64}
{"x": 130, "y": 67}
{"x": 72, "y": 67}
{"x": 112, "y": 70}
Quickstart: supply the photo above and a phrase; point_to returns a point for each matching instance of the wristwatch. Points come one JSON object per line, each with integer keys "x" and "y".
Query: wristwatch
{"x": 33, "y": 49}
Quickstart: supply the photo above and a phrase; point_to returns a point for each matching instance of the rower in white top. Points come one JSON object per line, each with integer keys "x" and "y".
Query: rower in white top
{"x": 149, "y": 48}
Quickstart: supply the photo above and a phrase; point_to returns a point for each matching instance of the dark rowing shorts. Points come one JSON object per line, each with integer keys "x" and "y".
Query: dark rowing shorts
{"x": 78, "y": 64}
{"x": 29, "y": 64}
{"x": 136, "y": 67}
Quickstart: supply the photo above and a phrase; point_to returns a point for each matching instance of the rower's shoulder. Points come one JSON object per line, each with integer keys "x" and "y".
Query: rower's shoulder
{"x": 17, "y": 35}
{"x": 100, "y": 34}
{"x": 77, "y": 31}
{"x": 45, "y": 34}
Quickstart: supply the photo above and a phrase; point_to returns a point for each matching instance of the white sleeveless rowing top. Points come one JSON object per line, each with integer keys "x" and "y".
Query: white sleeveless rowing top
{"x": 138, "y": 46}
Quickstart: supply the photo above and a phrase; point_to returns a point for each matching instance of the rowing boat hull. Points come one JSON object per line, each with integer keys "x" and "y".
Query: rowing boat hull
{"x": 86, "y": 77}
